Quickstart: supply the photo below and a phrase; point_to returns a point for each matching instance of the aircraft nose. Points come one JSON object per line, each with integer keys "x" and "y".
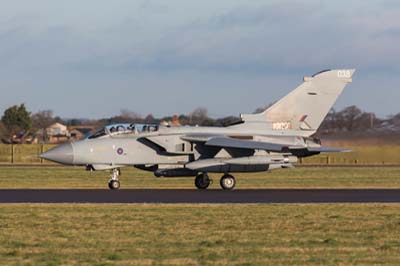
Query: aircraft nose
{"x": 63, "y": 154}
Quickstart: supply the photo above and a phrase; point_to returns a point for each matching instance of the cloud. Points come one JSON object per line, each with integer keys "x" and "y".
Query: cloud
{"x": 211, "y": 46}
{"x": 284, "y": 36}
{"x": 280, "y": 36}
{"x": 276, "y": 36}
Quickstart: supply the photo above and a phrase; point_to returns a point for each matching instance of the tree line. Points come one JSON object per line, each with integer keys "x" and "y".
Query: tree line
{"x": 18, "y": 122}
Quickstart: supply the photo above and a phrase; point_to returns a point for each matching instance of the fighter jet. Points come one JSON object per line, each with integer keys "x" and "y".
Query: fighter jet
{"x": 273, "y": 139}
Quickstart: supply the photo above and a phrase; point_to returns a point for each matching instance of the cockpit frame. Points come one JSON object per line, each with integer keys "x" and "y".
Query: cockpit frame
{"x": 124, "y": 129}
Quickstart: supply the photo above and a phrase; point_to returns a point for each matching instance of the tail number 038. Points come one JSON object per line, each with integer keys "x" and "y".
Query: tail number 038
{"x": 343, "y": 74}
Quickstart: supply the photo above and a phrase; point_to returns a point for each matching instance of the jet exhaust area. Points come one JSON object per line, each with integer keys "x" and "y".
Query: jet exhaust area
{"x": 197, "y": 196}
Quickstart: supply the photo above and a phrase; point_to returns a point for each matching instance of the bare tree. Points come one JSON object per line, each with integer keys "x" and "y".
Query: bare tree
{"x": 365, "y": 121}
{"x": 125, "y": 113}
{"x": 42, "y": 120}
{"x": 149, "y": 118}
{"x": 262, "y": 109}
{"x": 330, "y": 123}
{"x": 348, "y": 117}
{"x": 198, "y": 116}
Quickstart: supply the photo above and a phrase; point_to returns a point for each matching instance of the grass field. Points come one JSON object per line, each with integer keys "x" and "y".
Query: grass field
{"x": 200, "y": 234}
{"x": 319, "y": 177}
{"x": 137, "y": 234}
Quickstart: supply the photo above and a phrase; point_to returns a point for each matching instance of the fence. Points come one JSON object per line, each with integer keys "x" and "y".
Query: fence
{"x": 360, "y": 155}
{"x": 23, "y": 153}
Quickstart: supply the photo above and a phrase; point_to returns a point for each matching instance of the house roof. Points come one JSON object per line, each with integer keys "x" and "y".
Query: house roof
{"x": 58, "y": 125}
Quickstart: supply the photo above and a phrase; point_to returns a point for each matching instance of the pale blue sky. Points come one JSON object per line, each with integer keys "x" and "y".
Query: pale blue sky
{"x": 93, "y": 58}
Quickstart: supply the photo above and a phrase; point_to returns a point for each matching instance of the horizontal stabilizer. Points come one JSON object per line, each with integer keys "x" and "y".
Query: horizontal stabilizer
{"x": 326, "y": 149}
{"x": 228, "y": 142}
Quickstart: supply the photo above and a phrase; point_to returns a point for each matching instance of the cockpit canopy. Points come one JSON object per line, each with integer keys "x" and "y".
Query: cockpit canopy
{"x": 119, "y": 129}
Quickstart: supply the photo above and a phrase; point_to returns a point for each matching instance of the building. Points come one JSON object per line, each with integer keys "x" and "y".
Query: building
{"x": 57, "y": 133}
{"x": 79, "y": 132}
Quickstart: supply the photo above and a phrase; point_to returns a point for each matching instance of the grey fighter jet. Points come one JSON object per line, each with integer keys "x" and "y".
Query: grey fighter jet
{"x": 273, "y": 139}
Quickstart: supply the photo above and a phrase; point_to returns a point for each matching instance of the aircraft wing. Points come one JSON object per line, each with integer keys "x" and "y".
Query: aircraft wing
{"x": 226, "y": 142}
{"x": 199, "y": 137}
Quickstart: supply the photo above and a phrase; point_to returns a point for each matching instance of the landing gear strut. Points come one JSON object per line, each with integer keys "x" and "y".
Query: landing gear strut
{"x": 202, "y": 181}
{"x": 227, "y": 182}
{"x": 114, "y": 182}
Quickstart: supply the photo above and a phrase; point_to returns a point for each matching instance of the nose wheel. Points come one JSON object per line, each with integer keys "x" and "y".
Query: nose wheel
{"x": 114, "y": 183}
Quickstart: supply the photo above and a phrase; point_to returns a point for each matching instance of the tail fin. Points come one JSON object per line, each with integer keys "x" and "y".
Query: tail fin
{"x": 306, "y": 107}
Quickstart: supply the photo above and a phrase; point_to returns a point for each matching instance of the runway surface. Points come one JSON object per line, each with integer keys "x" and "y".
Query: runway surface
{"x": 207, "y": 196}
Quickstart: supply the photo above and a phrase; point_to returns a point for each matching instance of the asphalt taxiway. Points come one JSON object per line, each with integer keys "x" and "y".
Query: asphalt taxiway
{"x": 197, "y": 196}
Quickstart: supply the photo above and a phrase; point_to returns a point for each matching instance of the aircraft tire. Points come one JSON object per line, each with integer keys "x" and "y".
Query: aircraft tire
{"x": 228, "y": 182}
{"x": 202, "y": 181}
{"x": 114, "y": 184}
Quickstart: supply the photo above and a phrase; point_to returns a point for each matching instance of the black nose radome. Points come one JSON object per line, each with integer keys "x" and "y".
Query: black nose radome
{"x": 63, "y": 154}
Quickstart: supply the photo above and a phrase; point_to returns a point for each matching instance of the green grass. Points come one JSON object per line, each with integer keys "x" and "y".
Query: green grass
{"x": 151, "y": 234}
{"x": 319, "y": 177}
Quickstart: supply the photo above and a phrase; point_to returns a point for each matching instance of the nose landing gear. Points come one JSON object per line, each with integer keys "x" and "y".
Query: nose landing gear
{"x": 114, "y": 184}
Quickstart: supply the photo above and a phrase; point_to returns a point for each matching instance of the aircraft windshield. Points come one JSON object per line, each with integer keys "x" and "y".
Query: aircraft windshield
{"x": 98, "y": 134}
{"x": 118, "y": 129}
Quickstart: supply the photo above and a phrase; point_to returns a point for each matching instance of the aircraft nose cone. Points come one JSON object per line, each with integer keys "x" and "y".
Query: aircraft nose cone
{"x": 63, "y": 154}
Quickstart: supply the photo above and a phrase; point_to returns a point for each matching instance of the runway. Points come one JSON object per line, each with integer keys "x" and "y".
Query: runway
{"x": 197, "y": 196}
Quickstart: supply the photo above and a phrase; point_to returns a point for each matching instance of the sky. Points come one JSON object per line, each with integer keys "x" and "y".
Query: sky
{"x": 93, "y": 58}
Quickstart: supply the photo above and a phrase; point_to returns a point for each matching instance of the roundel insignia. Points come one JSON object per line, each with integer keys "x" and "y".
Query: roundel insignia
{"x": 120, "y": 151}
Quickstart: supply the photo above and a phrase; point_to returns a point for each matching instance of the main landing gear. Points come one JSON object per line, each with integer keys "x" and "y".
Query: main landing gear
{"x": 203, "y": 181}
{"x": 227, "y": 182}
{"x": 114, "y": 182}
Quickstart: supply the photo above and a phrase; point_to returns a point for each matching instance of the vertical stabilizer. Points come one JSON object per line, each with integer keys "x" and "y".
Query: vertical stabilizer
{"x": 305, "y": 107}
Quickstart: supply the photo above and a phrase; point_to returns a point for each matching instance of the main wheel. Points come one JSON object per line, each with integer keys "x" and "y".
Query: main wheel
{"x": 202, "y": 181}
{"x": 114, "y": 184}
{"x": 228, "y": 182}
